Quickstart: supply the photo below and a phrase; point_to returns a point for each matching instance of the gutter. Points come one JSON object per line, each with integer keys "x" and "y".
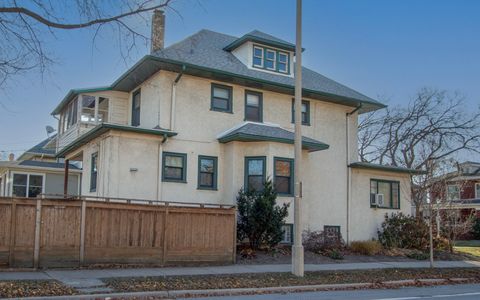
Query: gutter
{"x": 173, "y": 99}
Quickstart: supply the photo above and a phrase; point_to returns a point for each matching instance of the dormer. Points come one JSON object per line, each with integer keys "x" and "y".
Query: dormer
{"x": 263, "y": 52}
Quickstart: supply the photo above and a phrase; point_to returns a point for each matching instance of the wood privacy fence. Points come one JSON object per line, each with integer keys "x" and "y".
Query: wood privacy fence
{"x": 57, "y": 233}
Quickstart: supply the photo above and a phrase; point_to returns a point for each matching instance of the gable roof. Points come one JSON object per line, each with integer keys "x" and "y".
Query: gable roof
{"x": 258, "y": 132}
{"x": 260, "y": 37}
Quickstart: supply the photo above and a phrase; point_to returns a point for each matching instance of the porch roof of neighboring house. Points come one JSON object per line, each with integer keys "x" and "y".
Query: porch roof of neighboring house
{"x": 42, "y": 149}
{"x": 103, "y": 128}
{"x": 37, "y": 166}
{"x": 366, "y": 165}
{"x": 203, "y": 54}
{"x": 257, "y": 132}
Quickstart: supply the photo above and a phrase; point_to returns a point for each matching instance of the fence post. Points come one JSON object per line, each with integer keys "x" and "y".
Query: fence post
{"x": 165, "y": 225}
{"x": 13, "y": 224}
{"x": 38, "y": 226}
{"x": 82, "y": 232}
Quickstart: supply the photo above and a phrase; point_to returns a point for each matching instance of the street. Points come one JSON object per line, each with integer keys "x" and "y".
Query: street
{"x": 460, "y": 292}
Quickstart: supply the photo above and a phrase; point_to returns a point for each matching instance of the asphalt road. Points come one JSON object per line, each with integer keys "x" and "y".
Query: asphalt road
{"x": 444, "y": 292}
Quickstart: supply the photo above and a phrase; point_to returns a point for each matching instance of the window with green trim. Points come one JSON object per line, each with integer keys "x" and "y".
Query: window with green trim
{"x": 385, "y": 193}
{"x": 93, "y": 172}
{"x": 287, "y": 234}
{"x": 174, "y": 167}
{"x": 253, "y": 106}
{"x": 221, "y": 98}
{"x": 305, "y": 112}
{"x": 255, "y": 173}
{"x": 283, "y": 176}
{"x": 271, "y": 59}
{"x": 207, "y": 172}
{"x": 136, "y": 103}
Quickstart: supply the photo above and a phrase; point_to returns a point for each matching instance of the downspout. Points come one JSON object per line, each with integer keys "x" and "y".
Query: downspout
{"x": 159, "y": 168}
{"x": 349, "y": 175}
{"x": 173, "y": 100}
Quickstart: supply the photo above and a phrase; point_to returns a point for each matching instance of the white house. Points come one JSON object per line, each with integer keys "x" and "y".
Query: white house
{"x": 209, "y": 115}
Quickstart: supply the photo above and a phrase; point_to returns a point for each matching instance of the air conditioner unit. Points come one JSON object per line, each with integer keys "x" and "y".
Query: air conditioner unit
{"x": 380, "y": 199}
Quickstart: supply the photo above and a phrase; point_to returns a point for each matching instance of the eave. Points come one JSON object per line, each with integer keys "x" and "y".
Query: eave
{"x": 250, "y": 38}
{"x": 370, "y": 166}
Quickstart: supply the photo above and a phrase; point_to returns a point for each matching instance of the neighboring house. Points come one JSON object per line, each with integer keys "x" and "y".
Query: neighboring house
{"x": 209, "y": 115}
{"x": 37, "y": 172}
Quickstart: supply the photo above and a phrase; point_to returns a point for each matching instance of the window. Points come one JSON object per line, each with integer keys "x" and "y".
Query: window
{"x": 207, "y": 172}
{"x": 253, "y": 106}
{"x": 477, "y": 190}
{"x": 69, "y": 117}
{"x": 453, "y": 192}
{"x": 390, "y": 190}
{"x": 255, "y": 173}
{"x": 174, "y": 167}
{"x": 271, "y": 59}
{"x": 27, "y": 185}
{"x": 305, "y": 112}
{"x": 102, "y": 110}
{"x": 221, "y": 98}
{"x": 93, "y": 172}
{"x": 88, "y": 109}
{"x": 283, "y": 174}
{"x": 287, "y": 234}
{"x": 136, "y": 102}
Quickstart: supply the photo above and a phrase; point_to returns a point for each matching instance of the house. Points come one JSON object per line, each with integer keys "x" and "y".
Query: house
{"x": 209, "y": 115}
{"x": 36, "y": 172}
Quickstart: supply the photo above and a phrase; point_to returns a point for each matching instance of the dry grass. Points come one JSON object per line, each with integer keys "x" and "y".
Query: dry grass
{"x": 366, "y": 247}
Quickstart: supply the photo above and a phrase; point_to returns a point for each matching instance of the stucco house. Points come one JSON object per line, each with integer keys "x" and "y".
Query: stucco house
{"x": 36, "y": 172}
{"x": 211, "y": 114}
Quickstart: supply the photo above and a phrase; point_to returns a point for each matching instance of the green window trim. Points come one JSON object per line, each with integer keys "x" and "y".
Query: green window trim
{"x": 391, "y": 182}
{"x": 135, "y": 116}
{"x": 260, "y": 105}
{"x": 305, "y": 122}
{"x": 276, "y": 59}
{"x": 183, "y": 156}
{"x": 246, "y": 169}
{"x": 93, "y": 172}
{"x": 290, "y": 228}
{"x": 214, "y": 185}
{"x": 292, "y": 175}
{"x": 229, "y": 100}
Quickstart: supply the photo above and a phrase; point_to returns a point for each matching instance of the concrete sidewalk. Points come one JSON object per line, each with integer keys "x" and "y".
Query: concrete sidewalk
{"x": 89, "y": 281}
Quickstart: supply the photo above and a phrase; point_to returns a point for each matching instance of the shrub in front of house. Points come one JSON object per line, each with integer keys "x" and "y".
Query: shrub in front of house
{"x": 366, "y": 247}
{"x": 321, "y": 243}
{"x": 260, "y": 219}
{"x": 476, "y": 229}
{"x": 402, "y": 231}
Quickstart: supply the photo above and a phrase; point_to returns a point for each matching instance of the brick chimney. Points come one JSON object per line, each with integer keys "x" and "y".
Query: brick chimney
{"x": 11, "y": 157}
{"x": 158, "y": 31}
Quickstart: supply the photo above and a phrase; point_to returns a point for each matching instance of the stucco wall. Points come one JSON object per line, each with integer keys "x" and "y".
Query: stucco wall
{"x": 364, "y": 219}
{"x": 54, "y": 184}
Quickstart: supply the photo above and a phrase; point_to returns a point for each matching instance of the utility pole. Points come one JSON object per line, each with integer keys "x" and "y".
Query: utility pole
{"x": 297, "y": 250}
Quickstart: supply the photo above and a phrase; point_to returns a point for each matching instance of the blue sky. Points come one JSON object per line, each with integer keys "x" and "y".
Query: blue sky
{"x": 384, "y": 49}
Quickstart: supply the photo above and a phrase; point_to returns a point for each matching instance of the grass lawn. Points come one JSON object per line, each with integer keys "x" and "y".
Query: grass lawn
{"x": 468, "y": 247}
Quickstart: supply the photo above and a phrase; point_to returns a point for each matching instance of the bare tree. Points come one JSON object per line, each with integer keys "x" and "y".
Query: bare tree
{"x": 432, "y": 128}
{"x": 24, "y": 26}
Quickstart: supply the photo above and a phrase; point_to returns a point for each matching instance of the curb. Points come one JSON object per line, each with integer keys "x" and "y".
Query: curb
{"x": 255, "y": 291}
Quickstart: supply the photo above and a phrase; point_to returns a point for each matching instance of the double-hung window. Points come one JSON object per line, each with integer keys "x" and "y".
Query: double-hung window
{"x": 386, "y": 194}
{"x": 283, "y": 174}
{"x": 253, "y": 106}
{"x": 174, "y": 167}
{"x": 221, "y": 98}
{"x": 282, "y": 62}
{"x": 255, "y": 173}
{"x": 453, "y": 192}
{"x": 207, "y": 172}
{"x": 27, "y": 185}
{"x": 93, "y": 172}
{"x": 270, "y": 59}
{"x": 136, "y": 103}
{"x": 258, "y": 56}
{"x": 305, "y": 112}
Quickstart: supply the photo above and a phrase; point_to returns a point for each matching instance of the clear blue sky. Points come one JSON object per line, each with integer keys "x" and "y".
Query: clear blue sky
{"x": 384, "y": 49}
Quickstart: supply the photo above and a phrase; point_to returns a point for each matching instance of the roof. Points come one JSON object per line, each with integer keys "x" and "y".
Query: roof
{"x": 42, "y": 148}
{"x": 37, "y": 165}
{"x": 75, "y": 92}
{"x": 260, "y": 37}
{"x": 255, "y": 132}
{"x": 202, "y": 54}
{"x": 366, "y": 165}
{"x": 104, "y": 127}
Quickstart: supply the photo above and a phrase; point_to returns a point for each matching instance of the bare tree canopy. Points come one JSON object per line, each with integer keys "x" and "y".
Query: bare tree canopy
{"x": 24, "y": 24}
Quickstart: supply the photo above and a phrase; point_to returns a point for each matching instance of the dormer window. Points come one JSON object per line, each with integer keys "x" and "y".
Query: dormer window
{"x": 270, "y": 59}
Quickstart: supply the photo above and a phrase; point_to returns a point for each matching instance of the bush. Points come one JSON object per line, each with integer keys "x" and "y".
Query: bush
{"x": 260, "y": 219}
{"x": 401, "y": 231}
{"x": 418, "y": 255}
{"x": 366, "y": 247}
{"x": 476, "y": 229}
{"x": 319, "y": 242}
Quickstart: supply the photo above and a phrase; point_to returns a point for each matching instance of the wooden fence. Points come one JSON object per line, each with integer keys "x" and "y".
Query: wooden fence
{"x": 58, "y": 232}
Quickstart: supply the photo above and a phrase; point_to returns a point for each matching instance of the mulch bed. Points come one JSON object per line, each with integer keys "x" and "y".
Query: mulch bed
{"x": 33, "y": 288}
{"x": 204, "y": 282}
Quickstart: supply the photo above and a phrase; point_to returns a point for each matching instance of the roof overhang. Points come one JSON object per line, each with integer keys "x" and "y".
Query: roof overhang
{"x": 105, "y": 127}
{"x": 149, "y": 65}
{"x": 370, "y": 166}
{"x": 16, "y": 166}
{"x": 251, "y": 38}
{"x": 74, "y": 93}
